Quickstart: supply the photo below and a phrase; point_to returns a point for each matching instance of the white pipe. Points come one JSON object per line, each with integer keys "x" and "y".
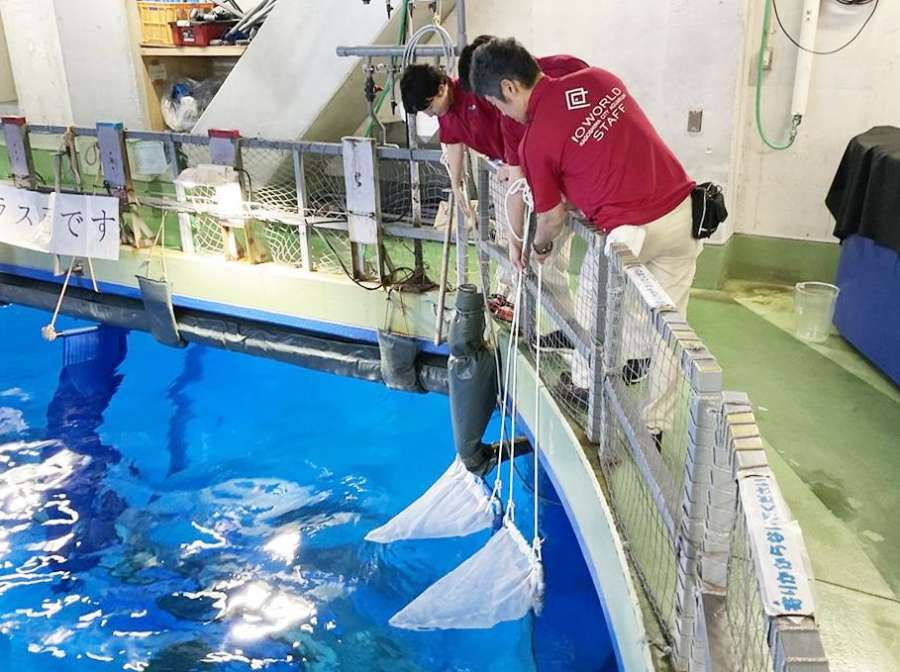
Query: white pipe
{"x": 803, "y": 74}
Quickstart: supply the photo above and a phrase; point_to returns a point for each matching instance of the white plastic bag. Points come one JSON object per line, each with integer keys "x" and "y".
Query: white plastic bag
{"x": 458, "y": 504}
{"x": 502, "y": 582}
{"x": 186, "y": 100}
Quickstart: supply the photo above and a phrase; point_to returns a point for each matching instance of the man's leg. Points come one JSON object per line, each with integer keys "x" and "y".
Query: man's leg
{"x": 504, "y": 277}
{"x": 556, "y": 274}
{"x": 670, "y": 253}
{"x": 585, "y": 300}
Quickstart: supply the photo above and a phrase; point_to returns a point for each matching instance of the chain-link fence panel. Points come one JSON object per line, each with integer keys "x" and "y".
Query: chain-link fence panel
{"x": 649, "y": 406}
{"x": 748, "y": 626}
{"x": 649, "y": 541}
{"x": 326, "y": 193}
{"x": 645, "y": 374}
{"x": 206, "y": 231}
{"x": 572, "y": 282}
{"x": 272, "y": 194}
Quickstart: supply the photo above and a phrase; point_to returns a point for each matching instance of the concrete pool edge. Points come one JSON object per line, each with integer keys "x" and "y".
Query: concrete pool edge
{"x": 281, "y": 295}
{"x": 575, "y": 480}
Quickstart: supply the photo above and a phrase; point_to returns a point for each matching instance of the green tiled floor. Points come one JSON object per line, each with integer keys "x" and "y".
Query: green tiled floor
{"x": 832, "y": 427}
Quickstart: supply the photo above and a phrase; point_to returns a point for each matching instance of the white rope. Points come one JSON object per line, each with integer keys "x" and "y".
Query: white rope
{"x": 93, "y": 276}
{"x": 511, "y": 348}
{"x": 159, "y": 241}
{"x": 513, "y": 363}
{"x": 49, "y": 331}
{"x": 536, "y": 540}
{"x": 520, "y": 185}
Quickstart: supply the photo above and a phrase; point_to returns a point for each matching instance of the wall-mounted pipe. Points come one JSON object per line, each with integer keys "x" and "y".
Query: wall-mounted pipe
{"x": 803, "y": 74}
{"x": 389, "y": 51}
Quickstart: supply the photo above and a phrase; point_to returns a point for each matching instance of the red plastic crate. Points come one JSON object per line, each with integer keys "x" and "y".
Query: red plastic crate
{"x": 198, "y": 33}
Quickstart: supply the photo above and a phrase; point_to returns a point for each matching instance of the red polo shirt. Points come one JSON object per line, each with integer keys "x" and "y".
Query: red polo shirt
{"x": 513, "y": 132}
{"x": 472, "y": 121}
{"x": 587, "y": 138}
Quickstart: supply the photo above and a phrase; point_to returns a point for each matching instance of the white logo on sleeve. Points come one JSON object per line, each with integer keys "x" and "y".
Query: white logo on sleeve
{"x": 576, "y": 99}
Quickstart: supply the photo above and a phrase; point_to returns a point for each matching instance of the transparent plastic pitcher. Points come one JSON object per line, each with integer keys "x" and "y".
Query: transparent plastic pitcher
{"x": 814, "y": 306}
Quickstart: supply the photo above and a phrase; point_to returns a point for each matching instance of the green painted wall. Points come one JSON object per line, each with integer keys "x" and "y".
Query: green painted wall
{"x": 766, "y": 259}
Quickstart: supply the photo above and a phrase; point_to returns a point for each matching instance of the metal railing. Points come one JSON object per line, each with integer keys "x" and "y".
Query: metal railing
{"x": 673, "y": 447}
{"x": 294, "y": 204}
{"x": 677, "y": 454}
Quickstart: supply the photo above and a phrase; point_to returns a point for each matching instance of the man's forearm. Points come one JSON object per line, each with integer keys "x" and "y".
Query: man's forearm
{"x": 549, "y": 226}
{"x": 455, "y": 155}
{"x": 515, "y": 212}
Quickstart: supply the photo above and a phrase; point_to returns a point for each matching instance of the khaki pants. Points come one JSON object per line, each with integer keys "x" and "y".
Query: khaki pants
{"x": 669, "y": 252}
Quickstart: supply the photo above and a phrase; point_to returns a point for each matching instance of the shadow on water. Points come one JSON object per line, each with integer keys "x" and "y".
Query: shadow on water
{"x": 183, "y": 408}
{"x": 87, "y": 384}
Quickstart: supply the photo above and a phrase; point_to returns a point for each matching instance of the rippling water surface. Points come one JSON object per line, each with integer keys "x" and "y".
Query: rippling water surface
{"x": 194, "y": 509}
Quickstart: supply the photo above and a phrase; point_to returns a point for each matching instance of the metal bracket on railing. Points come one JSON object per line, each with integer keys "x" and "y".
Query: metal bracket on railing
{"x": 225, "y": 150}
{"x": 18, "y": 147}
{"x": 363, "y": 188}
{"x": 303, "y": 228}
{"x": 114, "y": 159}
{"x": 116, "y": 173}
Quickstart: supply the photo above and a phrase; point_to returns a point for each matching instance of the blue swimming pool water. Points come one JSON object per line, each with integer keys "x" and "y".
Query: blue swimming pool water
{"x": 182, "y": 510}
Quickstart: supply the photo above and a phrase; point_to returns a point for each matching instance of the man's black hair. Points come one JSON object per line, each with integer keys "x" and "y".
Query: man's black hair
{"x": 420, "y": 82}
{"x": 464, "y": 64}
{"x": 497, "y": 60}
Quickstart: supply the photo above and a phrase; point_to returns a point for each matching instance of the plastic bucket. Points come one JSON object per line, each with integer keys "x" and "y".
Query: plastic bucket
{"x": 814, "y": 306}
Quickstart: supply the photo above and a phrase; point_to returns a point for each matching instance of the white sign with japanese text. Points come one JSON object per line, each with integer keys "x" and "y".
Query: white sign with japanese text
{"x": 24, "y": 218}
{"x": 85, "y": 226}
{"x": 778, "y": 549}
{"x": 648, "y": 286}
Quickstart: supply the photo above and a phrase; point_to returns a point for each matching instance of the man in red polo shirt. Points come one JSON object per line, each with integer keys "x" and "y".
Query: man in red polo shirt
{"x": 465, "y": 119}
{"x": 588, "y": 141}
{"x": 556, "y": 282}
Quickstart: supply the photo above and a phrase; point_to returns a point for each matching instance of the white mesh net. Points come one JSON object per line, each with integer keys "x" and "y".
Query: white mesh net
{"x": 502, "y": 582}
{"x": 458, "y": 504}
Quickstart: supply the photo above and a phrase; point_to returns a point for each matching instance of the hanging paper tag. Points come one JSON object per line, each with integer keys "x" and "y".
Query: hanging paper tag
{"x": 650, "y": 289}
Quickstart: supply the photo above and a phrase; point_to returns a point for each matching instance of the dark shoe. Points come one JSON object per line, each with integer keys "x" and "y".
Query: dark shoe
{"x": 567, "y": 390}
{"x": 555, "y": 340}
{"x": 657, "y": 438}
{"x": 635, "y": 370}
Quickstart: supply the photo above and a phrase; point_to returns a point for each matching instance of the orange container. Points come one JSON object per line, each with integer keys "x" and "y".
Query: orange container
{"x": 156, "y": 17}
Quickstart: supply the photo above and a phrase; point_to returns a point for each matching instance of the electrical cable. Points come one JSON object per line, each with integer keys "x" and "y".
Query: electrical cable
{"x": 249, "y": 183}
{"x": 843, "y": 46}
{"x": 795, "y": 121}
{"x": 381, "y": 285}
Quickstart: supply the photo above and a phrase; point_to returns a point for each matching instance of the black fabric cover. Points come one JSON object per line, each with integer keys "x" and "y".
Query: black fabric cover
{"x": 865, "y": 194}
{"x": 471, "y": 371}
{"x": 157, "y": 295}
{"x": 344, "y": 358}
{"x": 398, "y": 361}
